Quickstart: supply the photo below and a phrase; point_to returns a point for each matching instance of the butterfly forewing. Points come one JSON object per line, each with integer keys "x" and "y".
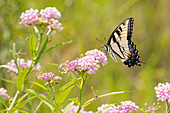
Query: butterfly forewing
{"x": 122, "y": 32}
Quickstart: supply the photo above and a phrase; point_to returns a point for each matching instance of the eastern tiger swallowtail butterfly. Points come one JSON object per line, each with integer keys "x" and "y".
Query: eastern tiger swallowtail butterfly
{"x": 120, "y": 44}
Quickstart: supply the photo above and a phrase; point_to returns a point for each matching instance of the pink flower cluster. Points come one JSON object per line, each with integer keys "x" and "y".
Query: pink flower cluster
{"x": 47, "y": 77}
{"x": 49, "y": 13}
{"x": 125, "y": 107}
{"x": 29, "y": 17}
{"x": 163, "y": 92}
{"x": 23, "y": 64}
{"x": 48, "y": 16}
{"x": 90, "y": 63}
{"x": 74, "y": 109}
{"x": 3, "y": 93}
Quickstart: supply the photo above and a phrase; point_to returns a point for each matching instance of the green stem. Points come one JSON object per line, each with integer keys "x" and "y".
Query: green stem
{"x": 81, "y": 91}
{"x": 13, "y": 101}
{"x": 142, "y": 110}
{"x": 167, "y": 107}
{"x": 36, "y": 110}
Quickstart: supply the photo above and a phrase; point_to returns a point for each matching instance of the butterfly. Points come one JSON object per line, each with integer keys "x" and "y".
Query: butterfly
{"x": 120, "y": 44}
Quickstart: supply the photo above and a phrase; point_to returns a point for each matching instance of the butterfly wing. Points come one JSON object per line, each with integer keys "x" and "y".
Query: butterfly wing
{"x": 122, "y": 32}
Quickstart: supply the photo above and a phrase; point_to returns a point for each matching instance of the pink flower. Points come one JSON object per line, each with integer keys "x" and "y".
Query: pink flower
{"x": 3, "y": 93}
{"x": 29, "y": 17}
{"x": 23, "y": 64}
{"x": 74, "y": 109}
{"x": 152, "y": 108}
{"x": 163, "y": 92}
{"x": 54, "y": 25}
{"x": 49, "y": 13}
{"x": 125, "y": 107}
{"x": 90, "y": 63}
{"x": 47, "y": 17}
{"x": 48, "y": 77}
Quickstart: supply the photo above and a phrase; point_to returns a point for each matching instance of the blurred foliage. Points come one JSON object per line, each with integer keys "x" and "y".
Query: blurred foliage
{"x": 83, "y": 22}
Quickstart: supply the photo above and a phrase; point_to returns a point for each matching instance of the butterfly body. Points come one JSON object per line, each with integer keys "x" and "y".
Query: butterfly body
{"x": 120, "y": 44}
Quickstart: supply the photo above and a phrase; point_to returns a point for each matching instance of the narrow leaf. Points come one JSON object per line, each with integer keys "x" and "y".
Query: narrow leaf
{"x": 57, "y": 65}
{"x": 41, "y": 52}
{"x": 62, "y": 96}
{"x": 32, "y": 45}
{"x": 65, "y": 110}
{"x": 22, "y": 98}
{"x": 57, "y": 45}
{"x": 2, "y": 110}
{"x": 14, "y": 57}
{"x": 2, "y": 100}
{"x": 25, "y": 102}
{"x": 37, "y": 33}
{"x": 43, "y": 98}
{"x": 75, "y": 79}
{"x": 101, "y": 96}
{"x": 75, "y": 100}
{"x": 21, "y": 78}
{"x": 9, "y": 81}
{"x": 113, "y": 93}
{"x": 64, "y": 87}
{"x": 9, "y": 67}
{"x": 13, "y": 110}
{"x": 43, "y": 87}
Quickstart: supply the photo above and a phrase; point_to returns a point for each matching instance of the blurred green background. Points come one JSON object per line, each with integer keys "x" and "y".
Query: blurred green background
{"x": 83, "y": 22}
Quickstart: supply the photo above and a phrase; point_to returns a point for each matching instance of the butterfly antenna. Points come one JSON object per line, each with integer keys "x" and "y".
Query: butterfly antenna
{"x": 101, "y": 47}
{"x": 99, "y": 40}
{"x": 105, "y": 39}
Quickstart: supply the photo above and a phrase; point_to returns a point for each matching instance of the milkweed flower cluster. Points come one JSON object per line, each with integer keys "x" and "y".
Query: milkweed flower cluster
{"x": 163, "y": 92}
{"x": 3, "y": 93}
{"x": 48, "y": 17}
{"x": 23, "y": 64}
{"x": 74, "y": 109}
{"x": 125, "y": 107}
{"x": 48, "y": 77}
{"x": 90, "y": 62}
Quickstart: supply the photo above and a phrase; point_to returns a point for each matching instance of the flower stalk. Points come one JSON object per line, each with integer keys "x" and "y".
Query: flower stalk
{"x": 13, "y": 101}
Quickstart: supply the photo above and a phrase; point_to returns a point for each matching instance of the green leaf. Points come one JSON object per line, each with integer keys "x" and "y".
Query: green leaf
{"x": 57, "y": 65}
{"x": 43, "y": 87}
{"x": 9, "y": 67}
{"x": 22, "y": 98}
{"x": 2, "y": 110}
{"x": 21, "y": 78}
{"x": 75, "y": 79}
{"x": 75, "y": 100}
{"x": 41, "y": 52}
{"x": 65, "y": 110}
{"x": 14, "y": 57}
{"x": 57, "y": 45}
{"x": 64, "y": 87}
{"x": 25, "y": 102}
{"x": 13, "y": 110}
{"x": 37, "y": 33}
{"x": 62, "y": 96}
{"x": 101, "y": 96}
{"x": 2, "y": 100}
{"x": 33, "y": 46}
{"x": 44, "y": 99}
{"x": 9, "y": 81}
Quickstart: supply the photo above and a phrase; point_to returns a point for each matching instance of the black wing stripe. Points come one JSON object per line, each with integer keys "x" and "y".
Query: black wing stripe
{"x": 130, "y": 29}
